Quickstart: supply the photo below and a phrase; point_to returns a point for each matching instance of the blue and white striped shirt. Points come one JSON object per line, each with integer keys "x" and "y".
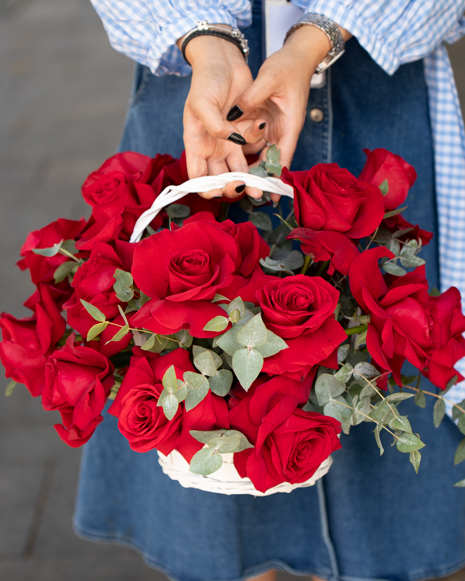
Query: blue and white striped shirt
{"x": 393, "y": 32}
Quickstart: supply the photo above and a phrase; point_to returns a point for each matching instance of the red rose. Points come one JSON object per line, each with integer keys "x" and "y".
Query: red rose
{"x": 447, "y": 345}
{"x": 78, "y": 381}
{"x": 290, "y": 444}
{"x": 330, "y": 198}
{"x": 398, "y": 222}
{"x": 144, "y": 423}
{"x": 251, "y": 246}
{"x": 300, "y": 310}
{"x": 323, "y": 245}
{"x": 182, "y": 270}
{"x": 400, "y": 325}
{"x": 383, "y": 165}
{"x": 50, "y": 325}
{"x": 43, "y": 267}
{"x": 120, "y": 191}
{"x": 21, "y": 352}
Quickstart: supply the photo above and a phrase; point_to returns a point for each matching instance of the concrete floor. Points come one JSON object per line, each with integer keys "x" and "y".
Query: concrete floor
{"x": 63, "y": 92}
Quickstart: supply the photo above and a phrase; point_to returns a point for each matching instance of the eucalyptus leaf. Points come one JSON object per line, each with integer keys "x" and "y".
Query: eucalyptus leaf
{"x": 10, "y": 388}
{"x": 254, "y": 333}
{"x": 273, "y": 345}
{"x": 217, "y": 324}
{"x": 272, "y": 154}
{"x": 228, "y": 341}
{"x": 420, "y": 399}
{"x": 205, "y": 462}
{"x": 48, "y": 252}
{"x": 393, "y": 268}
{"x": 460, "y": 453}
{"x": 225, "y": 444}
{"x": 460, "y": 483}
{"x": 170, "y": 381}
{"x": 409, "y": 443}
{"x": 279, "y": 234}
{"x": 362, "y": 409}
{"x": 261, "y": 220}
{"x": 365, "y": 369}
{"x": 337, "y": 408}
{"x": 65, "y": 269}
{"x": 143, "y": 298}
{"x": 220, "y": 384}
{"x": 452, "y": 381}
{"x": 176, "y": 211}
{"x": 342, "y": 352}
{"x": 439, "y": 411}
{"x": 400, "y": 423}
{"x": 219, "y": 297}
{"x": 247, "y": 365}
{"x": 184, "y": 337}
{"x": 456, "y": 412}
{"x": 170, "y": 405}
{"x": 327, "y": 387}
{"x": 205, "y": 436}
{"x": 411, "y": 261}
{"x": 384, "y": 187}
{"x": 124, "y": 277}
{"x": 258, "y": 171}
{"x": 120, "y": 334}
{"x": 95, "y": 313}
{"x": 155, "y": 344}
{"x": 361, "y": 339}
{"x": 394, "y": 246}
{"x": 95, "y": 330}
{"x": 196, "y": 394}
{"x": 274, "y": 168}
{"x": 236, "y": 305}
{"x": 205, "y": 363}
{"x": 344, "y": 373}
{"x": 181, "y": 393}
{"x": 394, "y": 212}
{"x": 415, "y": 459}
{"x": 461, "y": 423}
{"x": 378, "y": 439}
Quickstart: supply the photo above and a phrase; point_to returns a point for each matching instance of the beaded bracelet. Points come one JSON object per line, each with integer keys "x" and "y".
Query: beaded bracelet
{"x": 204, "y": 29}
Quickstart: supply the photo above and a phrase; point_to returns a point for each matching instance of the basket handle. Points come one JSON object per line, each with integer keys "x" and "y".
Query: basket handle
{"x": 172, "y": 194}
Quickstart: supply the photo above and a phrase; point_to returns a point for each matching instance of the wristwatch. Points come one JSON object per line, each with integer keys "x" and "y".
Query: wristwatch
{"x": 332, "y": 31}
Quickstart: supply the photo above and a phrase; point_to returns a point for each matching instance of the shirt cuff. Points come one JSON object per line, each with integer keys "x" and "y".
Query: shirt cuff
{"x": 348, "y": 17}
{"x": 165, "y": 58}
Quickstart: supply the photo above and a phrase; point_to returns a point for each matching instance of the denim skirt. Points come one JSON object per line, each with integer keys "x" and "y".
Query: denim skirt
{"x": 370, "y": 518}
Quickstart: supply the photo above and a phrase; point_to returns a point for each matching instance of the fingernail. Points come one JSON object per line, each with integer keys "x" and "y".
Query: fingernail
{"x": 236, "y": 138}
{"x": 240, "y": 188}
{"x": 220, "y": 196}
{"x": 262, "y": 125}
{"x": 234, "y": 113}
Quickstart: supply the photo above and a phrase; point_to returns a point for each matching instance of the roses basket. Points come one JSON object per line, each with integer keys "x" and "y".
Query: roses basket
{"x": 237, "y": 356}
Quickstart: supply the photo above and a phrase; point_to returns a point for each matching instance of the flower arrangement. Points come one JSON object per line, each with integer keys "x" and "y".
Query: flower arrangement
{"x": 212, "y": 338}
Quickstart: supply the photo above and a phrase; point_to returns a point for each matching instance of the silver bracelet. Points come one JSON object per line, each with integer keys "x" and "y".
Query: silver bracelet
{"x": 203, "y": 28}
{"x": 331, "y": 29}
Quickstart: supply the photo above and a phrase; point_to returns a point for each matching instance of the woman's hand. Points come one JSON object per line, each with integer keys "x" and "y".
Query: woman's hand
{"x": 280, "y": 93}
{"x": 213, "y": 144}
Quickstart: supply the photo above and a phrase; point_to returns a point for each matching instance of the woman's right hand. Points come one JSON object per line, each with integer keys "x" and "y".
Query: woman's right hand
{"x": 214, "y": 145}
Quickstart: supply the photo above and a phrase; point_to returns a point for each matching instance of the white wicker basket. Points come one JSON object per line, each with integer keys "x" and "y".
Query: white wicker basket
{"x": 226, "y": 480}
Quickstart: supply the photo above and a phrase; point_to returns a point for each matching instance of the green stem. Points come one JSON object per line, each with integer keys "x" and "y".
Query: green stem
{"x": 307, "y": 262}
{"x": 66, "y": 253}
{"x": 322, "y": 267}
{"x": 355, "y": 330}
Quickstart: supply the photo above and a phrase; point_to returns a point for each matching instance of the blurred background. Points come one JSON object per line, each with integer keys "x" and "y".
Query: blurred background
{"x": 63, "y": 94}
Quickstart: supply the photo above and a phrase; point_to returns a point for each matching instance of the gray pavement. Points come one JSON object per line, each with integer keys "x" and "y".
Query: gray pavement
{"x": 63, "y": 92}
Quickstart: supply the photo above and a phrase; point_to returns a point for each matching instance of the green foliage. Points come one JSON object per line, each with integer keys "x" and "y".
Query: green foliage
{"x": 9, "y": 389}
{"x": 460, "y": 453}
{"x": 209, "y": 459}
{"x": 206, "y": 363}
{"x": 123, "y": 286}
{"x": 394, "y": 212}
{"x": 155, "y": 344}
{"x": 95, "y": 313}
{"x": 197, "y": 386}
{"x": 415, "y": 459}
{"x": 384, "y": 187}
{"x": 439, "y": 411}
{"x": 120, "y": 334}
{"x": 217, "y": 324}
{"x": 253, "y": 334}
{"x": 247, "y": 364}
{"x": 220, "y": 384}
{"x": 95, "y": 330}
{"x": 293, "y": 261}
{"x": 420, "y": 399}
{"x": 327, "y": 387}
{"x": 409, "y": 443}
{"x": 261, "y": 220}
{"x": 177, "y": 211}
{"x": 64, "y": 270}
{"x": 206, "y": 461}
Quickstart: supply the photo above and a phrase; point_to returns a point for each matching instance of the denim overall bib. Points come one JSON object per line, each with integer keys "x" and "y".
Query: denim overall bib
{"x": 370, "y": 518}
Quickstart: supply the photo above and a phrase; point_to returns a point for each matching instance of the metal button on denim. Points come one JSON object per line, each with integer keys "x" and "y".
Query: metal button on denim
{"x": 316, "y": 115}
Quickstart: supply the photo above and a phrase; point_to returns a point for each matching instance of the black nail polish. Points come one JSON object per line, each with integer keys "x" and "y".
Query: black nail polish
{"x": 240, "y": 188}
{"x": 234, "y": 113}
{"x": 236, "y": 138}
{"x": 262, "y": 125}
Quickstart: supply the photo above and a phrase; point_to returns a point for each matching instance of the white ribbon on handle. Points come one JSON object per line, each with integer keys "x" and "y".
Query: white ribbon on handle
{"x": 172, "y": 194}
